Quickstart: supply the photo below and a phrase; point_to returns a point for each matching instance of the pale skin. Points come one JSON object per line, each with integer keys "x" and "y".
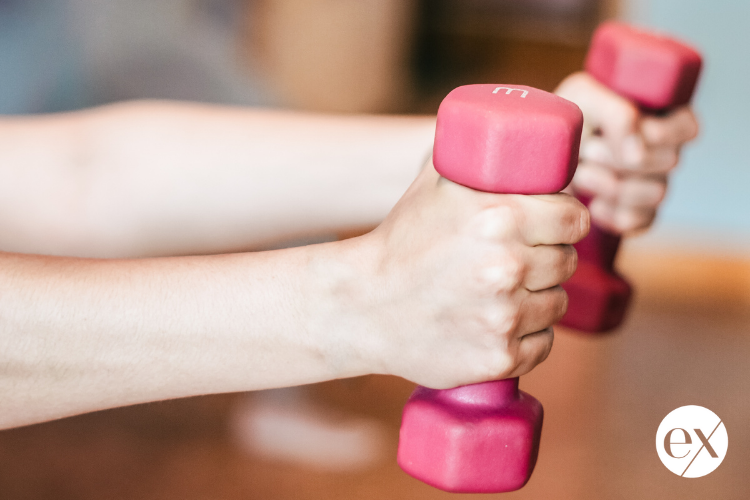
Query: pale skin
{"x": 626, "y": 156}
{"x": 143, "y": 179}
{"x": 453, "y": 287}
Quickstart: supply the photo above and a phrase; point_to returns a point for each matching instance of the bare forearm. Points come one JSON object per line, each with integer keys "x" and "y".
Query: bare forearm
{"x": 156, "y": 178}
{"x": 79, "y": 335}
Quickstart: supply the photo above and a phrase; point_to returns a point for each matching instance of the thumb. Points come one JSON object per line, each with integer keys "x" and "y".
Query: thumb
{"x": 606, "y": 114}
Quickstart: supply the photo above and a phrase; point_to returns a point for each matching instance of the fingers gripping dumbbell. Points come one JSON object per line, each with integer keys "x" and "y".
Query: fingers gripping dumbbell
{"x": 656, "y": 73}
{"x": 500, "y": 139}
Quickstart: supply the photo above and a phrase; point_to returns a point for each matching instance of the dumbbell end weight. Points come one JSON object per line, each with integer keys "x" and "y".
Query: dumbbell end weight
{"x": 655, "y": 71}
{"x": 598, "y": 297}
{"x": 482, "y": 438}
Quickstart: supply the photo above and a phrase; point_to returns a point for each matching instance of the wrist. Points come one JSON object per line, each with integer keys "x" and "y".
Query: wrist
{"x": 342, "y": 289}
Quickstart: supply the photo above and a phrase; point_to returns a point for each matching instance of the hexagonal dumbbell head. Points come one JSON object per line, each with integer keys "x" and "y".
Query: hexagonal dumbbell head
{"x": 652, "y": 70}
{"x": 481, "y": 438}
{"x": 484, "y": 438}
{"x": 597, "y": 299}
{"x": 507, "y": 139}
{"x": 657, "y": 73}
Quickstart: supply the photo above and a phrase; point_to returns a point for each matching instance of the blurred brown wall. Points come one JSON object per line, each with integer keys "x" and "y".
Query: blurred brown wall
{"x": 334, "y": 55}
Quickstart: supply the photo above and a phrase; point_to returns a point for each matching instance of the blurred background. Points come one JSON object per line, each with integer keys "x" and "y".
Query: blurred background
{"x": 687, "y": 340}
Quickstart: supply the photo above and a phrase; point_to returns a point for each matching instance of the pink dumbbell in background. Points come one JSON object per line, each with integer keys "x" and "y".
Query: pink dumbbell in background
{"x": 484, "y": 438}
{"x": 656, "y": 73}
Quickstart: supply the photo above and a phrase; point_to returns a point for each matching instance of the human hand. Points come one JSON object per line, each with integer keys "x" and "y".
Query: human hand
{"x": 626, "y": 156}
{"x": 465, "y": 286}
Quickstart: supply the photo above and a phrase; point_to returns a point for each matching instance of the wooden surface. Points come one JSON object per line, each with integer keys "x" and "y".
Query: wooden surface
{"x": 604, "y": 399}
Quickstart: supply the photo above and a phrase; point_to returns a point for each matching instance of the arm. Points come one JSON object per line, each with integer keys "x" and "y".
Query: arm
{"x": 159, "y": 178}
{"x": 79, "y": 335}
{"x": 626, "y": 157}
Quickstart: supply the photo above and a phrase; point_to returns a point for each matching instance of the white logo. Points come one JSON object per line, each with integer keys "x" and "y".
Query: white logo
{"x": 524, "y": 93}
{"x": 692, "y": 441}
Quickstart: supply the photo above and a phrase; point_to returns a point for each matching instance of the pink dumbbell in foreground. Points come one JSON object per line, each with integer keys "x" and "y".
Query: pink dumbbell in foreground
{"x": 656, "y": 73}
{"x": 484, "y": 438}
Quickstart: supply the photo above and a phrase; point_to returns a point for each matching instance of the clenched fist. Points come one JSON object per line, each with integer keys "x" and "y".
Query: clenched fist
{"x": 464, "y": 285}
{"x": 626, "y": 156}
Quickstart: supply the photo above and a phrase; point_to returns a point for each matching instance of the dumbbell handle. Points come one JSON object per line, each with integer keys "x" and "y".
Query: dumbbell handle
{"x": 600, "y": 246}
{"x": 656, "y": 73}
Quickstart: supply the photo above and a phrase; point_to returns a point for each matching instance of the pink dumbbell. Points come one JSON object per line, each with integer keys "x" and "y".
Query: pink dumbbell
{"x": 484, "y": 438}
{"x": 657, "y": 73}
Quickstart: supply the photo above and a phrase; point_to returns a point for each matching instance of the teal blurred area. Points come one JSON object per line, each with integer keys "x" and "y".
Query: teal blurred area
{"x": 60, "y": 55}
{"x": 708, "y": 206}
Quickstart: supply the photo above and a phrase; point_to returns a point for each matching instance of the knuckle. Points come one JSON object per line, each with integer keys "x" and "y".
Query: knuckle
{"x": 502, "y": 275}
{"x": 624, "y": 117}
{"x": 498, "y": 322}
{"x": 497, "y": 222}
{"x": 502, "y": 278}
{"x": 515, "y": 270}
{"x": 655, "y": 131}
{"x": 657, "y": 134}
{"x": 573, "y": 85}
{"x": 499, "y": 363}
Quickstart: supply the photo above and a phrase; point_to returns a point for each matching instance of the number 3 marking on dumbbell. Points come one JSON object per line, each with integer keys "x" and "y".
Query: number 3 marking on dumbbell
{"x": 509, "y": 90}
